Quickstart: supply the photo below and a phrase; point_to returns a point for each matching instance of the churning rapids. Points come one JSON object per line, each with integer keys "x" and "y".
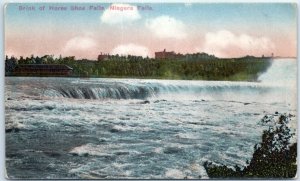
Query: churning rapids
{"x": 138, "y": 129}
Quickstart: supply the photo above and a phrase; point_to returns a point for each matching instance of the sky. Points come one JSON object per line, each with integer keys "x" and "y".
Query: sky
{"x": 84, "y": 30}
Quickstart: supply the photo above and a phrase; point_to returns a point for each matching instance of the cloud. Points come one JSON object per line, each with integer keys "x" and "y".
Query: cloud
{"x": 131, "y": 49}
{"x": 226, "y": 44}
{"x": 80, "y": 43}
{"x": 81, "y": 47}
{"x": 119, "y": 13}
{"x": 167, "y": 27}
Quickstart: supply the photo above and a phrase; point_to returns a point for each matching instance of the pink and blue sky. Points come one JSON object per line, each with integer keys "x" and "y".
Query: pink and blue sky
{"x": 222, "y": 29}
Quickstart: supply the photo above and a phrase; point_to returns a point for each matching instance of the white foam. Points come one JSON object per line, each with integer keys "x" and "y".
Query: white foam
{"x": 174, "y": 174}
{"x": 158, "y": 150}
{"x": 91, "y": 149}
{"x": 198, "y": 169}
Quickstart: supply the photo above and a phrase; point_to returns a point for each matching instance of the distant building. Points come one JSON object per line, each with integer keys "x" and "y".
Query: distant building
{"x": 167, "y": 55}
{"x": 102, "y": 57}
{"x": 42, "y": 70}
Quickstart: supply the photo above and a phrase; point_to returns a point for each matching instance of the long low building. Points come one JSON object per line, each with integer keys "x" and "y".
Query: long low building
{"x": 42, "y": 70}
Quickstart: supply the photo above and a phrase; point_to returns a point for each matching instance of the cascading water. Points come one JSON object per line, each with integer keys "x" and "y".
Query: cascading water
{"x": 165, "y": 90}
{"x": 104, "y": 128}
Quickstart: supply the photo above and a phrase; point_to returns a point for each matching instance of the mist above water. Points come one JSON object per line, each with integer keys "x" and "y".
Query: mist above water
{"x": 282, "y": 72}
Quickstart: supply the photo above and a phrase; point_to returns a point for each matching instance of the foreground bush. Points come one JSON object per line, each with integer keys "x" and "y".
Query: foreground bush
{"x": 274, "y": 157}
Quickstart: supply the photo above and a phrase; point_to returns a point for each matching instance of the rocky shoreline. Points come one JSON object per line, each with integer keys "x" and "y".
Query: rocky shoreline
{"x": 274, "y": 157}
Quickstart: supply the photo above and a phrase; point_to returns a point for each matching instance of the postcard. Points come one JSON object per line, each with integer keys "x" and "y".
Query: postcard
{"x": 150, "y": 90}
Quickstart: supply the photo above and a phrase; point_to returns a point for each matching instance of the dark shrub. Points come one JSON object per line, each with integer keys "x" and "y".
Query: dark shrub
{"x": 274, "y": 157}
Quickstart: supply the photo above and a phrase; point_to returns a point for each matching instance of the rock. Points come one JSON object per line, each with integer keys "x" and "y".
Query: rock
{"x": 102, "y": 140}
{"x": 202, "y": 100}
{"x": 172, "y": 150}
{"x": 85, "y": 154}
{"x": 52, "y": 154}
{"x": 74, "y": 154}
{"x": 145, "y": 102}
{"x": 157, "y": 101}
{"x": 114, "y": 130}
{"x": 49, "y": 107}
{"x": 9, "y": 130}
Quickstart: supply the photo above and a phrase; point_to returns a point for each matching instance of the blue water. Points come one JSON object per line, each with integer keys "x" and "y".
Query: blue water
{"x": 139, "y": 129}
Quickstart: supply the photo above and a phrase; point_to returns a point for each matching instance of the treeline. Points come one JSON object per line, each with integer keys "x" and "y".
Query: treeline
{"x": 199, "y": 66}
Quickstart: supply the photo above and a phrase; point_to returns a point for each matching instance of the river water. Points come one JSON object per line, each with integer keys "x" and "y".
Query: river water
{"x": 138, "y": 129}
